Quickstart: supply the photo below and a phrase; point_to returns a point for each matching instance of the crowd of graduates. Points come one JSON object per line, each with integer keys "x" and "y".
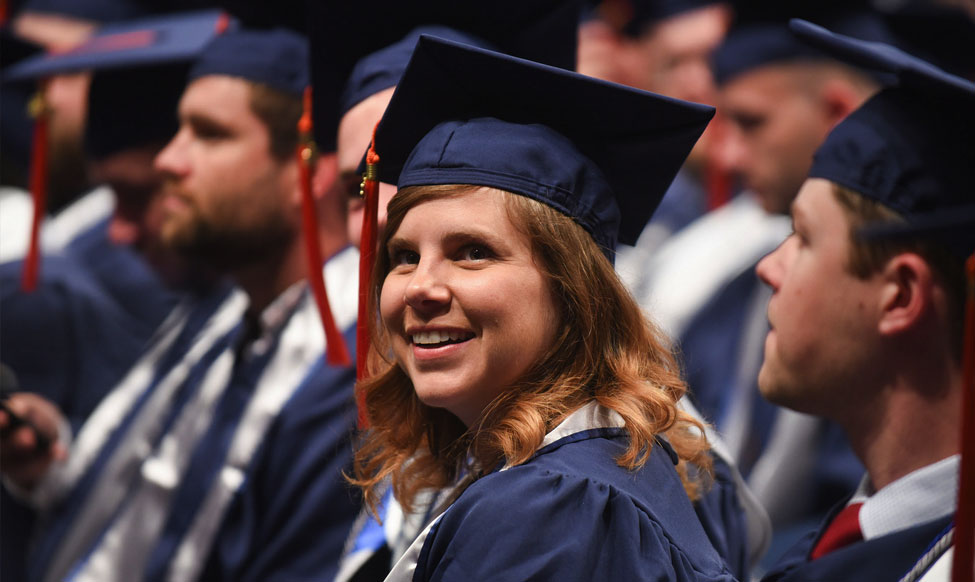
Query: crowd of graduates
{"x": 536, "y": 290}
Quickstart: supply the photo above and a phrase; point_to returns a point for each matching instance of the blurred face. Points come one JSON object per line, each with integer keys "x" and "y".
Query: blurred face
{"x": 466, "y": 307}
{"x": 66, "y": 97}
{"x": 678, "y": 52}
{"x": 228, "y": 200}
{"x": 774, "y": 126}
{"x": 823, "y": 319}
{"x": 138, "y": 217}
{"x": 355, "y": 133}
{"x": 678, "y": 59}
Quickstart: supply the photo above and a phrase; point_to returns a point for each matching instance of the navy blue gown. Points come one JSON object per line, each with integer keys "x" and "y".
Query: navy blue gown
{"x": 572, "y": 513}
{"x": 881, "y": 559}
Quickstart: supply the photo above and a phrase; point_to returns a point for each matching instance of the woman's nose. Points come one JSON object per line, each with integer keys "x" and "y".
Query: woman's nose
{"x": 428, "y": 288}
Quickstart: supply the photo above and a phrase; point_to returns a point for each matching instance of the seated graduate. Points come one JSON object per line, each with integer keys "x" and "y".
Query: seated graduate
{"x": 867, "y": 331}
{"x": 508, "y": 359}
{"x": 734, "y": 521}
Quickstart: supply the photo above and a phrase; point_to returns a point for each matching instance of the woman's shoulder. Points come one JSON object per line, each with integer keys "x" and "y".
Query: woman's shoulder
{"x": 589, "y": 460}
{"x": 553, "y": 515}
{"x": 583, "y": 472}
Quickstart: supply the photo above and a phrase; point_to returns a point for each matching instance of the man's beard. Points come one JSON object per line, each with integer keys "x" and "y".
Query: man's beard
{"x": 224, "y": 245}
{"x": 66, "y": 173}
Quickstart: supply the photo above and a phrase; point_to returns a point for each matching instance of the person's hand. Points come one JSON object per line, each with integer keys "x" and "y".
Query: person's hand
{"x": 29, "y": 438}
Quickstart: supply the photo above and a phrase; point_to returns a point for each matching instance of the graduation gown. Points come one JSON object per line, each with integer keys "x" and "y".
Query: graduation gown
{"x": 258, "y": 426}
{"x": 291, "y": 516}
{"x": 570, "y": 513}
{"x": 95, "y": 308}
{"x": 880, "y": 559}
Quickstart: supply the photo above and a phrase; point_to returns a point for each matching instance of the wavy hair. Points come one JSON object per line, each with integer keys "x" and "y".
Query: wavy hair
{"x": 605, "y": 350}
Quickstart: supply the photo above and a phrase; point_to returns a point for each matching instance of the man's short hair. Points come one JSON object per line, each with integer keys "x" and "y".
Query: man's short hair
{"x": 868, "y": 257}
{"x": 280, "y": 112}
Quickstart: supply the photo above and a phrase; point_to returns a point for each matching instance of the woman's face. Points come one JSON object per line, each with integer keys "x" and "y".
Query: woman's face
{"x": 467, "y": 309}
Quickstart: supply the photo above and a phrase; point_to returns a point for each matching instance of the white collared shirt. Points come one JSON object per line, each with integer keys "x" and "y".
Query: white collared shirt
{"x": 921, "y": 496}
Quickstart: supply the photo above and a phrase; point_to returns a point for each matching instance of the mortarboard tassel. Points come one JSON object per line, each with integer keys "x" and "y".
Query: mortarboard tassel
{"x": 38, "y": 189}
{"x": 717, "y": 178}
{"x": 367, "y": 258}
{"x": 964, "y": 557}
{"x": 336, "y": 352}
{"x": 223, "y": 23}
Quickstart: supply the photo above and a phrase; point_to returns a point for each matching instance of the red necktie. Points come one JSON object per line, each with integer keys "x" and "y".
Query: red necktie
{"x": 842, "y": 531}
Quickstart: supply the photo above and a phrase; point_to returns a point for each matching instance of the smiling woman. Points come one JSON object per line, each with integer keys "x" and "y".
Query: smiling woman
{"x": 508, "y": 360}
{"x": 456, "y": 261}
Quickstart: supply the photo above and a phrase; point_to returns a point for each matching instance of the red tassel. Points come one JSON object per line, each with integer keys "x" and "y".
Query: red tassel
{"x": 336, "y": 352}
{"x": 964, "y": 558}
{"x": 38, "y": 190}
{"x": 223, "y": 23}
{"x": 717, "y": 181}
{"x": 367, "y": 258}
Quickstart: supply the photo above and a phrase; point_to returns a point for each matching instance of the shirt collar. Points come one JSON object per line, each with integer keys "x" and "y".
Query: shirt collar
{"x": 275, "y": 315}
{"x": 921, "y": 496}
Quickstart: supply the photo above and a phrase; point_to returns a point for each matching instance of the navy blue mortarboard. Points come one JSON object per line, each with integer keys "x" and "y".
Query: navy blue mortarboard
{"x": 647, "y": 12}
{"x": 139, "y": 73}
{"x": 143, "y": 42}
{"x": 94, "y": 10}
{"x": 344, "y": 32}
{"x": 601, "y": 153}
{"x": 909, "y": 147}
{"x": 384, "y": 68}
{"x": 276, "y": 57}
{"x": 758, "y": 43}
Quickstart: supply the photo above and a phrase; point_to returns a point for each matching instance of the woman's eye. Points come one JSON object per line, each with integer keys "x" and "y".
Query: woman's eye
{"x": 475, "y": 253}
{"x": 404, "y": 257}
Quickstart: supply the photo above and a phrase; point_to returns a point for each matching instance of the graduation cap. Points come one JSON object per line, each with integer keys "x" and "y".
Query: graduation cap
{"x": 344, "y": 32}
{"x": 644, "y": 13}
{"x": 140, "y": 43}
{"x": 765, "y": 39}
{"x": 910, "y": 147}
{"x": 135, "y": 43}
{"x": 95, "y": 10}
{"x": 384, "y": 68}
{"x": 601, "y": 153}
{"x": 275, "y": 57}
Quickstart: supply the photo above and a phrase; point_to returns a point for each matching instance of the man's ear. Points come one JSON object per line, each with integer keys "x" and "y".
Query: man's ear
{"x": 325, "y": 175}
{"x": 907, "y": 294}
{"x": 839, "y": 99}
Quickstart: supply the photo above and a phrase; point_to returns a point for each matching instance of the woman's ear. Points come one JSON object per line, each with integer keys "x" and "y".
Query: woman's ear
{"x": 907, "y": 293}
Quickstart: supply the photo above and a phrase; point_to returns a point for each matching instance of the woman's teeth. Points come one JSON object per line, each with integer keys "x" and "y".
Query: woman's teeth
{"x": 440, "y": 337}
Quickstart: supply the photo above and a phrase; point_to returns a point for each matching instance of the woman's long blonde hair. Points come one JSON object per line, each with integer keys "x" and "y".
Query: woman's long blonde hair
{"x": 605, "y": 350}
